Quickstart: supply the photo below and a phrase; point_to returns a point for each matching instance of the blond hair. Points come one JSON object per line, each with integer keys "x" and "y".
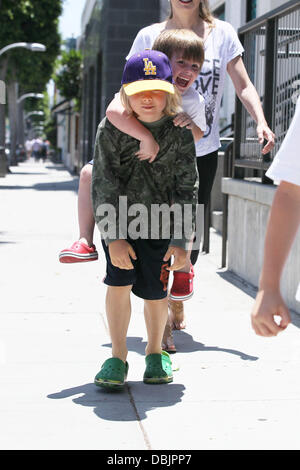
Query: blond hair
{"x": 183, "y": 41}
{"x": 204, "y": 12}
{"x": 173, "y": 105}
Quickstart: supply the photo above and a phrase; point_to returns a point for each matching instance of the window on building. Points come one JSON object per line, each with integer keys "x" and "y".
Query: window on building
{"x": 251, "y": 9}
{"x": 220, "y": 12}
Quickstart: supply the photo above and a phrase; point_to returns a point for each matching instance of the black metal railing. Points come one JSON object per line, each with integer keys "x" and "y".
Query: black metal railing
{"x": 272, "y": 59}
{"x": 272, "y": 52}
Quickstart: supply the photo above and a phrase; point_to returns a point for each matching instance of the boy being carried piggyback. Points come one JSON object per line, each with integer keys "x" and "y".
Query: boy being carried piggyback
{"x": 138, "y": 253}
{"x": 185, "y": 51}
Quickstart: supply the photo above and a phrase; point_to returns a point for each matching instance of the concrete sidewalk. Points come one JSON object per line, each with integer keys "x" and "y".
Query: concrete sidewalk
{"x": 233, "y": 390}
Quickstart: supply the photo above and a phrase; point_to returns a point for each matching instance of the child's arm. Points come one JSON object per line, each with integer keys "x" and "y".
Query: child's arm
{"x": 281, "y": 230}
{"x": 184, "y": 120}
{"x": 128, "y": 124}
{"x": 105, "y": 193}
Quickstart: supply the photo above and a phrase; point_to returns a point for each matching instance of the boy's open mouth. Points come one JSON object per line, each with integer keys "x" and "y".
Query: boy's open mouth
{"x": 182, "y": 82}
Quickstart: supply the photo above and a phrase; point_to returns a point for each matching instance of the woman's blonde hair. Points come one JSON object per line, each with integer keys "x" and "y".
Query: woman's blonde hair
{"x": 183, "y": 41}
{"x": 173, "y": 105}
{"x": 204, "y": 12}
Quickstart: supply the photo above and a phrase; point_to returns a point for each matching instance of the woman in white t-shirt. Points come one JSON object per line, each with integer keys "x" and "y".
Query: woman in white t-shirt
{"x": 282, "y": 227}
{"x": 223, "y": 52}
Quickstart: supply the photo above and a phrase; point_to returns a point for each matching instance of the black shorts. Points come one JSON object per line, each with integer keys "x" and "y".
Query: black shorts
{"x": 149, "y": 278}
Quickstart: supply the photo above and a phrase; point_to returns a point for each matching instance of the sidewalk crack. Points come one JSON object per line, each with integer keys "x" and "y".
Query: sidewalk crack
{"x": 146, "y": 438}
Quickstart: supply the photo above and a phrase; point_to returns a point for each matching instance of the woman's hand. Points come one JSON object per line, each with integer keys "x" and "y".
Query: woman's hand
{"x": 265, "y": 133}
{"x": 250, "y": 99}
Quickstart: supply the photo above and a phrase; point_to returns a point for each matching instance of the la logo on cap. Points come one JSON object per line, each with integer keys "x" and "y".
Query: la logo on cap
{"x": 149, "y": 69}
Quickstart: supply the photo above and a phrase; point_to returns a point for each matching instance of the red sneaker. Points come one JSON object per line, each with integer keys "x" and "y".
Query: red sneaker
{"x": 182, "y": 288}
{"x": 78, "y": 253}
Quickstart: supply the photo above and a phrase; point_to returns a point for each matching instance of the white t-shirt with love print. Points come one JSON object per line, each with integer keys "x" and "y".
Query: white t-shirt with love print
{"x": 221, "y": 46}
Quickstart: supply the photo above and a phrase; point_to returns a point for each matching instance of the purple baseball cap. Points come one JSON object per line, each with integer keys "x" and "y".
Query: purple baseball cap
{"x": 147, "y": 70}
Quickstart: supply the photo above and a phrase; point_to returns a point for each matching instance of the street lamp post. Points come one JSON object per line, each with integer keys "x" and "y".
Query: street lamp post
{"x": 20, "y": 127}
{"x": 28, "y": 116}
{"x": 34, "y": 47}
{"x": 30, "y": 95}
{"x": 34, "y": 113}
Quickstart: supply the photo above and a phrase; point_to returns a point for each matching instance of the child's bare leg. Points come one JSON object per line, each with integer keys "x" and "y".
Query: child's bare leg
{"x": 156, "y": 315}
{"x": 176, "y": 309}
{"x": 195, "y": 239}
{"x": 118, "y": 312}
{"x": 85, "y": 209}
{"x": 176, "y": 316}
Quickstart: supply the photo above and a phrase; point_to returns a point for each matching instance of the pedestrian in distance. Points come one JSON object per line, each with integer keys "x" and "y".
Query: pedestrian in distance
{"x": 223, "y": 55}
{"x": 138, "y": 260}
{"x": 28, "y": 147}
{"x": 44, "y": 151}
{"x": 282, "y": 227}
{"x": 36, "y": 149}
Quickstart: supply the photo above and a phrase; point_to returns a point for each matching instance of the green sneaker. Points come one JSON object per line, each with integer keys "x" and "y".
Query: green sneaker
{"x": 158, "y": 369}
{"x": 112, "y": 375}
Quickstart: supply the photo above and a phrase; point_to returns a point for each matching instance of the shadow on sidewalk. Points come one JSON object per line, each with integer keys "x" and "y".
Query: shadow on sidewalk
{"x": 121, "y": 406}
{"x": 55, "y": 186}
{"x": 239, "y": 282}
{"x": 28, "y": 173}
{"x": 4, "y": 241}
{"x": 184, "y": 344}
{"x": 138, "y": 399}
{"x": 57, "y": 167}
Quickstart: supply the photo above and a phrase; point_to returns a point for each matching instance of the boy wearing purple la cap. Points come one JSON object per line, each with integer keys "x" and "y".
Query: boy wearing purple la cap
{"x": 138, "y": 249}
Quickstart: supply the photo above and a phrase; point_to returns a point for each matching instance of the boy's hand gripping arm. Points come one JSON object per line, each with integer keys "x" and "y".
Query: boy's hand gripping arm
{"x": 130, "y": 125}
{"x": 184, "y": 120}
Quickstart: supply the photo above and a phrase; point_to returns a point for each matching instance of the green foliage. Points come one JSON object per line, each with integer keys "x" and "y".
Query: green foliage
{"x": 31, "y": 21}
{"x": 68, "y": 78}
{"x": 51, "y": 131}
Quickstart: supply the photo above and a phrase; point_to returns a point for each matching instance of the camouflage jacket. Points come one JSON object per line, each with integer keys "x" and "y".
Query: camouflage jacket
{"x": 132, "y": 198}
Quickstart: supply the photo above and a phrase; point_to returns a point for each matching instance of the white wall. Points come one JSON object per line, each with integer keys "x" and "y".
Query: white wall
{"x": 263, "y": 6}
{"x": 86, "y": 14}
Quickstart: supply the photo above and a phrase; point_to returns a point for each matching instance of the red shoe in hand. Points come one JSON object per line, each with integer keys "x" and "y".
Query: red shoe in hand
{"x": 78, "y": 253}
{"x": 182, "y": 288}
